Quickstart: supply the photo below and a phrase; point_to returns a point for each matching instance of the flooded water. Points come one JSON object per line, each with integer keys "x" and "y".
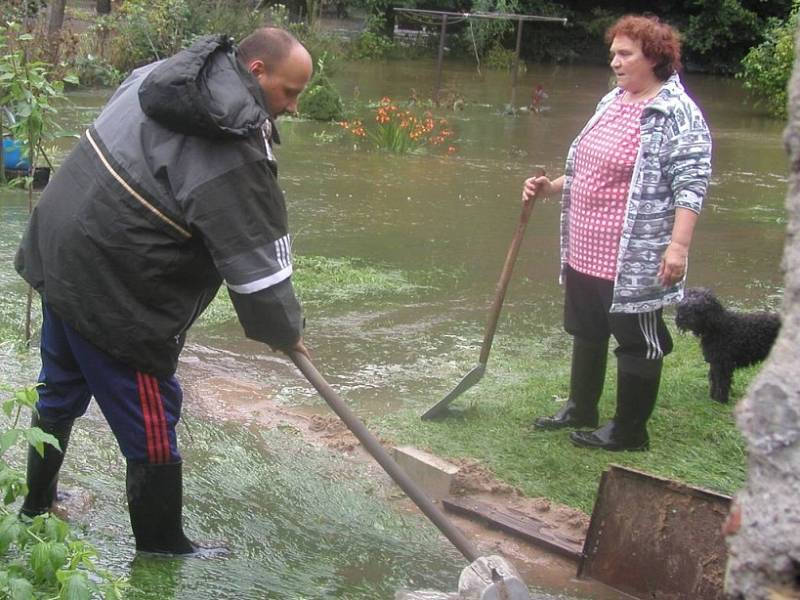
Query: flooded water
{"x": 300, "y": 522}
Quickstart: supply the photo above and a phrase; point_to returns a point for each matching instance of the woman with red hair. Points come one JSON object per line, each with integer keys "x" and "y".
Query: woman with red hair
{"x": 633, "y": 186}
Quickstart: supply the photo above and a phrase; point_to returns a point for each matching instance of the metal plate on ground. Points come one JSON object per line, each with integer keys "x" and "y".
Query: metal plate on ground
{"x": 656, "y": 538}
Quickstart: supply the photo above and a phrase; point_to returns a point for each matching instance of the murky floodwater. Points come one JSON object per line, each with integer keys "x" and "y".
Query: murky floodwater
{"x": 301, "y": 523}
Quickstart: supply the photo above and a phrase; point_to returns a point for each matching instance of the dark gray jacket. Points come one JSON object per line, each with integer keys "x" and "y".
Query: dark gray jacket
{"x": 172, "y": 190}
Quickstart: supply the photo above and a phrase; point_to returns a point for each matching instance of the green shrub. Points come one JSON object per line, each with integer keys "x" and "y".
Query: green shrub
{"x": 149, "y": 30}
{"x": 41, "y": 557}
{"x": 502, "y": 59}
{"x": 237, "y": 18}
{"x": 321, "y": 100}
{"x": 95, "y": 71}
{"x": 371, "y": 45}
{"x": 766, "y": 68}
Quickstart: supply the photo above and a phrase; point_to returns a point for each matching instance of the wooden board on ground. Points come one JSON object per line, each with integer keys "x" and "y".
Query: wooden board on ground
{"x": 516, "y": 523}
{"x": 656, "y": 538}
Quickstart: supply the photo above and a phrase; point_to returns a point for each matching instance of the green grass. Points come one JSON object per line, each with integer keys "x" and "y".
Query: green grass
{"x": 321, "y": 280}
{"x": 692, "y": 438}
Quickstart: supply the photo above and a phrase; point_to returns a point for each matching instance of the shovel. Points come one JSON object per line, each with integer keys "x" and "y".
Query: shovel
{"x": 499, "y": 577}
{"x": 474, "y": 376}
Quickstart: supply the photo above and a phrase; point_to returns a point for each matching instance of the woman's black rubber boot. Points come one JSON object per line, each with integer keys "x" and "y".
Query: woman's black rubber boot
{"x": 585, "y": 387}
{"x": 42, "y": 471}
{"x": 638, "y": 380}
{"x": 155, "y": 504}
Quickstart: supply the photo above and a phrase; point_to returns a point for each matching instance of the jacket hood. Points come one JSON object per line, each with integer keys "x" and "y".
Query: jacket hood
{"x": 204, "y": 91}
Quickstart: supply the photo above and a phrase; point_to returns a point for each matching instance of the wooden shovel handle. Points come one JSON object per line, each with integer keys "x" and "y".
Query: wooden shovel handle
{"x": 505, "y": 275}
{"x": 373, "y": 446}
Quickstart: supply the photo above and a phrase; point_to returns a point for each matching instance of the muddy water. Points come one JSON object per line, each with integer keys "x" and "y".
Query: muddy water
{"x": 310, "y": 527}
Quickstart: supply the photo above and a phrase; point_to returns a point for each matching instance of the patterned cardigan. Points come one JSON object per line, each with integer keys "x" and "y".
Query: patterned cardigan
{"x": 671, "y": 171}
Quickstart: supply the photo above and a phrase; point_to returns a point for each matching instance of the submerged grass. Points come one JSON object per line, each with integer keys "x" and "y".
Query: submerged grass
{"x": 693, "y": 439}
{"x": 322, "y": 280}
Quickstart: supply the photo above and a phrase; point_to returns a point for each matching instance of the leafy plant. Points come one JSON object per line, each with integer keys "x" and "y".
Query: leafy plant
{"x": 767, "y": 67}
{"x": 370, "y": 45}
{"x": 487, "y": 34}
{"x": 28, "y": 91}
{"x": 401, "y": 131}
{"x": 41, "y": 558}
{"x": 502, "y": 59}
{"x": 149, "y": 30}
{"x": 321, "y": 100}
{"x": 236, "y": 18}
{"x": 94, "y": 70}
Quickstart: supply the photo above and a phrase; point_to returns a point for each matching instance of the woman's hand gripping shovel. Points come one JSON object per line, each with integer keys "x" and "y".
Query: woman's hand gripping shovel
{"x": 488, "y": 578}
{"x": 476, "y": 374}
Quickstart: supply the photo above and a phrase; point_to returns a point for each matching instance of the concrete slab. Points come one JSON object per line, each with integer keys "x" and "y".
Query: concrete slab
{"x": 434, "y": 475}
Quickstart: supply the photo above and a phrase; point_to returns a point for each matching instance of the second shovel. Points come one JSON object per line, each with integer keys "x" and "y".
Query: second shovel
{"x": 474, "y": 376}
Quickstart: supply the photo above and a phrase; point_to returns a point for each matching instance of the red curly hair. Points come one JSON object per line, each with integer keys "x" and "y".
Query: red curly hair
{"x": 660, "y": 42}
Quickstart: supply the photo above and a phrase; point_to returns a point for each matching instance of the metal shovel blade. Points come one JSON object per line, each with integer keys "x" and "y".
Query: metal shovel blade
{"x": 470, "y": 379}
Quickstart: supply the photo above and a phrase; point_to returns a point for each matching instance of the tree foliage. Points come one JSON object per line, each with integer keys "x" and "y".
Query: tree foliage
{"x": 767, "y": 67}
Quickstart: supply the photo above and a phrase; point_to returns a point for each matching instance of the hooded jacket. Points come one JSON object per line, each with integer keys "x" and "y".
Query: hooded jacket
{"x": 672, "y": 170}
{"x": 170, "y": 192}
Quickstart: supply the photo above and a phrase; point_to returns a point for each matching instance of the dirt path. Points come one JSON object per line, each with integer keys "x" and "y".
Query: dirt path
{"x": 222, "y": 397}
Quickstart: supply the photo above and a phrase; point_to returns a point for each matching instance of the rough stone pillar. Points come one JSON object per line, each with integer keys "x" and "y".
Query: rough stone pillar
{"x": 764, "y": 543}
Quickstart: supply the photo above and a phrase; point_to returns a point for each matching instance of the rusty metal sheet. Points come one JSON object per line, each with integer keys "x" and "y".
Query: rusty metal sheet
{"x": 656, "y": 538}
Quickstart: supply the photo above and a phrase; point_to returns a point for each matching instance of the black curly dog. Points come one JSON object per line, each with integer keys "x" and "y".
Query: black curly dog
{"x": 729, "y": 339}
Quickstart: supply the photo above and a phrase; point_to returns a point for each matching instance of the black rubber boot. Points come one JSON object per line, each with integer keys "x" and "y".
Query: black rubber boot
{"x": 155, "y": 504}
{"x": 42, "y": 473}
{"x": 638, "y": 380}
{"x": 587, "y": 376}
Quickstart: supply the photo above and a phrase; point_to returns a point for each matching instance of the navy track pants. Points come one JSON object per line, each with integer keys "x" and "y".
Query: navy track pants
{"x": 141, "y": 410}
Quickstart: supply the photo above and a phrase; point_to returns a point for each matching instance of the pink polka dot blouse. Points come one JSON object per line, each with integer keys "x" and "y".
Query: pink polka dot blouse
{"x": 604, "y": 163}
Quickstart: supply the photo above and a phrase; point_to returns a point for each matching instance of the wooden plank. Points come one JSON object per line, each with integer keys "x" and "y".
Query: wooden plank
{"x": 516, "y": 523}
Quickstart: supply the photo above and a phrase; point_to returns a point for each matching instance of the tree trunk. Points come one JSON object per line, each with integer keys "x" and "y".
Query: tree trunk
{"x": 764, "y": 546}
{"x": 103, "y": 7}
{"x": 55, "y": 19}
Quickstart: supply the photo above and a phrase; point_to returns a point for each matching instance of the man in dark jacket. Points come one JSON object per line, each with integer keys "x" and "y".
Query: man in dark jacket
{"x": 170, "y": 192}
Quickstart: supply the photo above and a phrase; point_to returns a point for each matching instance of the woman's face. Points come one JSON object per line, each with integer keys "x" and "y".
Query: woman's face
{"x": 634, "y": 71}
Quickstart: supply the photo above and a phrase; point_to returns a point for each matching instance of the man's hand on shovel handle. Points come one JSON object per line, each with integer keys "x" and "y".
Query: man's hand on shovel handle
{"x": 299, "y": 346}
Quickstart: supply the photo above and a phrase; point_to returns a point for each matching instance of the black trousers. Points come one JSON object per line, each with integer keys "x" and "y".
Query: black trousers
{"x": 587, "y": 316}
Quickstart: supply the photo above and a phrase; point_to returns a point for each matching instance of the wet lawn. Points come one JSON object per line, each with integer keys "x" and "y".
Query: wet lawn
{"x": 692, "y": 438}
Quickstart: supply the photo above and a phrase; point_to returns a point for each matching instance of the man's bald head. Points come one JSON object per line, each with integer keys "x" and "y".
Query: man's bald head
{"x": 281, "y": 65}
{"x": 270, "y": 45}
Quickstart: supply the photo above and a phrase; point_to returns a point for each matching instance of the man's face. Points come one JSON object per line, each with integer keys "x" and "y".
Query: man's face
{"x": 282, "y": 84}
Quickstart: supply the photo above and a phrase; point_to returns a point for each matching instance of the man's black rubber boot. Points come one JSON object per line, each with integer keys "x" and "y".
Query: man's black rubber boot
{"x": 638, "y": 380}
{"x": 155, "y": 504}
{"x": 42, "y": 472}
{"x": 585, "y": 387}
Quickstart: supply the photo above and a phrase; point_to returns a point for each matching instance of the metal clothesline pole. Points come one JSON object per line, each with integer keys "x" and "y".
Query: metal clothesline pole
{"x": 516, "y": 66}
{"x": 444, "y": 14}
{"x": 482, "y": 15}
{"x": 439, "y": 60}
